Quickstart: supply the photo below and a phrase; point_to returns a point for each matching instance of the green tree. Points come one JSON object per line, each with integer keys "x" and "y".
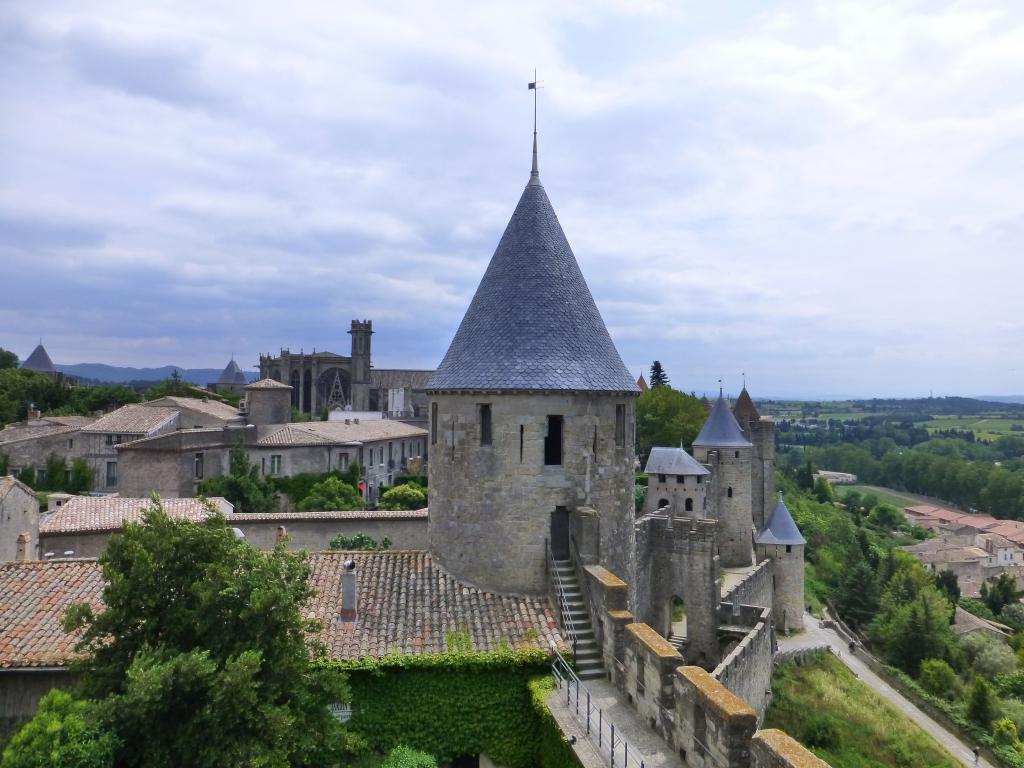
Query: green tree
{"x": 7, "y": 359}
{"x": 658, "y": 376}
{"x": 64, "y": 732}
{"x": 1004, "y": 732}
{"x": 242, "y": 486}
{"x": 82, "y": 478}
{"x": 823, "y": 491}
{"x": 202, "y": 655}
{"x": 406, "y": 496}
{"x": 805, "y": 476}
{"x": 55, "y": 478}
{"x": 1001, "y": 591}
{"x": 174, "y": 386}
{"x": 857, "y": 598}
{"x": 946, "y": 581}
{"x": 939, "y": 679}
{"x": 406, "y": 757}
{"x": 359, "y": 542}
{"x": 331, "y": 494}
{"x": 981, "y": 704}
{"x": 666, "y": 417}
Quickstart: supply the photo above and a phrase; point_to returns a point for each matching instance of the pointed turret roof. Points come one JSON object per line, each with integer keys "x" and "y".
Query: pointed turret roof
{"x": 642, "y": 383}
{"x": 721, "y": 430}
{"x": 39, "y": 361}
{"x": 781, "y": 528}
{"x": 744, "y": 407}
{"x": 232, "y": 374}
{"x": 533, "y": 323}
{"x": 673, "y": 461}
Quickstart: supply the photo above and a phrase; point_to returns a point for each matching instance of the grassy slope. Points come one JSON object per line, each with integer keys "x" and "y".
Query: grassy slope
{"x": 898, "y": 499}
{"x": 843, "y": 722}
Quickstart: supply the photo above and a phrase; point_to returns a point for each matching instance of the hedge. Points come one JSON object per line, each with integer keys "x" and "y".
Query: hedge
{"x": 460, "y": 703}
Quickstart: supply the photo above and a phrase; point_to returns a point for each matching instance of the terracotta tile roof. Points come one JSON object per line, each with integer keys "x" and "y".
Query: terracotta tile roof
{"x": 14, "y": 433}
{"x": 357, "y": 514}
{"x": 70, "y": 421}
{"x": 33, "y": 598}
{"x": 81, "y": 514}
{"x": 338, "y": 432}
{"x": 213, "y": 408}
{"x": 267, "y": 384}
{"x": 1008, "y": 528}
{"x": 407, "y": 604}
{"x": 135, "y": 419}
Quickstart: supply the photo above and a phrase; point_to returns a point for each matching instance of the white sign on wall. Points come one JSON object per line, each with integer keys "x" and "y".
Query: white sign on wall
{"x": 343, "y": 712}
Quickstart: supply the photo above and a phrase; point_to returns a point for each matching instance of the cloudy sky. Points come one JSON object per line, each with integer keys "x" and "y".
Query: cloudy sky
{"x": 828, "y": 196}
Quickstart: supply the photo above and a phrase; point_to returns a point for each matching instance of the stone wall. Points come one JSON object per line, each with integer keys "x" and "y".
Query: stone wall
{"x": 491, "y": 505}
{"x": 747, "y": 669}
{"x": 649, "y": 666}
{"x": 755, "y": 588}
{"x": 607, "y": 602}
{"x": 21, "y": 690}
{"x": 692, "y": 488}
{"x": 788, "y": 585}
{"x": 676, "y": 557}
{"x": 311, "y": 531}
{"x": 19, "y": 513}
{"x": 772, "y": 748}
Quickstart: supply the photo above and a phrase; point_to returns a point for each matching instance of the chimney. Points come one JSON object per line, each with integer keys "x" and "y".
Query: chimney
{"x": 348, "y": 591}
{"x": 355, "y": 421}
{"x": 34, "y": 414}
{"x": 279, "y": 534}
{"x": 23, "y": 542}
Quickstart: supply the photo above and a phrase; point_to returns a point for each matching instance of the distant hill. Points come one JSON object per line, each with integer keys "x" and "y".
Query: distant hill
{"x": 1003, "y": 398}
{"x": 112, "y": 374}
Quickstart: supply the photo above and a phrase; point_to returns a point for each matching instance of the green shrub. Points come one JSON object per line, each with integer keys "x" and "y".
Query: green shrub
{"x": 359, "y": 542}
{"x": 1004, "y": 732}
{"x": 66, "y": 732}
{"x": 331, "y": 494}
{"x": 405, "y": 757}
{"x": 939, "y": 679}
{"x": 406, "y": 496}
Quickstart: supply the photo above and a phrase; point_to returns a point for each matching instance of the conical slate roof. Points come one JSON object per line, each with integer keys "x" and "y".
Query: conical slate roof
{"x": 721, "y": 429}
{"x": 533, "y": 324}
{"x": 780, "y": 529}
{"x": 39, "y": 361}
{"x": 232, "y": 374}
{"x": 744, "y": 407}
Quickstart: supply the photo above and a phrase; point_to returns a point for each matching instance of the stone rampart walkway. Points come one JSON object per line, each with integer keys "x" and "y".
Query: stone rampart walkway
{"x": 816, "y": 635}
{"x": 647, "y": 747}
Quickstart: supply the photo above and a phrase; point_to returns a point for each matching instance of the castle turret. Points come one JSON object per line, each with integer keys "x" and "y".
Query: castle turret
{"x": 362, "y": 334}
{"x": 531, "y": 415}
{"x": 781, "y": 540}
{"x": 268, "y": 402}
{"x": 676, "y": 479}
{"x": 722, "y": 446}
{"x": 761, "y": 433}
{"x": 39, "y": 361}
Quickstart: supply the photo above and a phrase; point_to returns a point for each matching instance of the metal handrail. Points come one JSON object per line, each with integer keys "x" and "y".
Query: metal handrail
{"x": 610, "y": 744}
{"x": 563, "y": 605}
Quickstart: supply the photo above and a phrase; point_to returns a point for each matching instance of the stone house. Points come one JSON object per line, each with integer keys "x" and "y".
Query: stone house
{"x": 31, "y": 442}
{"x": 19, "y": 520}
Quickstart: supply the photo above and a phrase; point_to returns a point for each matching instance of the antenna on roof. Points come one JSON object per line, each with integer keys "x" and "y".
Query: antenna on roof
{"x": 534, "y": 86}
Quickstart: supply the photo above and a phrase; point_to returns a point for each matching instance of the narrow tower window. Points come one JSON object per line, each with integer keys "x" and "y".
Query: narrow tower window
{"x": 433, "y": 423}
{"x": 729, "y": 492}
{"x": 689, "y": 505}
{"x": 485, "y": 424}
{"x": 553, "y": 442}
{"x": 620, "y": 425}
{"x": 522, "y": 430}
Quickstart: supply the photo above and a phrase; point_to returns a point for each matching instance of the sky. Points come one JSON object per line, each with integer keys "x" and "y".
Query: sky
{"x": 825, "y": 196}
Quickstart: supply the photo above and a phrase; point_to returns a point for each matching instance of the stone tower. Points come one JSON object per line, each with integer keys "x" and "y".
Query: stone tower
{"x": 761, "y": 433}
{"x": 781, "y": 540}
{"x": 531, "y": 415}
{"x": 677, "y": 479}
{"x": 723, "y": 448}
{"x": 268, "y": 402}
{"x": 362, "y": 333}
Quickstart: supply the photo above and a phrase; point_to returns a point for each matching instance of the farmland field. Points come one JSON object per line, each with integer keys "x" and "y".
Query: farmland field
{"x": 984, "y": 427}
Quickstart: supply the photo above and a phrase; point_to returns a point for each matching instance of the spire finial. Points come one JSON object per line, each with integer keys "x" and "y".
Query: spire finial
{"x": 720, "y": 388}
{"x": 744, "y": 375}
{"x": 534, "y": 86}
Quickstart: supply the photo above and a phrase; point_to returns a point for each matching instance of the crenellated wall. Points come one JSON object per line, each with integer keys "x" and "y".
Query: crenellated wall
{"x": 747, "y": 669}
{"x": 709, "y": 719}
{"x": 755, "y": 588}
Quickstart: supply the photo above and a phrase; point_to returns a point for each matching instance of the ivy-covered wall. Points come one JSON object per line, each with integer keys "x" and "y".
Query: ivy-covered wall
{"x": 461, "y": 703}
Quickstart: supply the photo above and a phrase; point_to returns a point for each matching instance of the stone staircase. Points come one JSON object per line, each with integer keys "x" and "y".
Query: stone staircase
{"x": 588, "y": 655}
{"x": 678, "y": 642}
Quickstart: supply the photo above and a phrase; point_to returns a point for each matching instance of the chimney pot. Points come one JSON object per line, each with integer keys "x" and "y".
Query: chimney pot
{"x": 279, "y": 534}
{"x": 23, "y": 542}
{"x": 349, "y": 596}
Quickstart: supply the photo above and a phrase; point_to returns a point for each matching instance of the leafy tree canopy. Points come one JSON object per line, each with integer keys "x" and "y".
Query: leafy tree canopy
{"x": 202, "y": 656}
{"x": 360, "y": 541}
{"x": 406, "y": 496}
{"x": 242, "y": 486}
{"x": 8, "y": 359}
{"x": 666, "y": 417}
{"x": 331, "y": 494}
{"x": 66, "y": 732}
